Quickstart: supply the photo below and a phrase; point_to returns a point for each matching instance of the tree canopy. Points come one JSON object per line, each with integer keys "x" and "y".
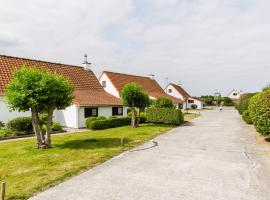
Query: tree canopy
{"x": 40, "y": 91}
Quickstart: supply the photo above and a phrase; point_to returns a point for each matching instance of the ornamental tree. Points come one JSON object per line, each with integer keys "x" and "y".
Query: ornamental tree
{"x": 39, "y": 91}
{"x": 133, "y": 97}
{"x": 163, "y": 102}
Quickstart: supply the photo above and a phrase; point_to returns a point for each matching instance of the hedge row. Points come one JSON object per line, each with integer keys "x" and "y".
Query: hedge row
{"x": 243, "y": 102}
{"x": 164, "y": 115}
{"x": 108, "y": 123}
{"x": 24, "y": 124}
{"x": 259, "y": 110}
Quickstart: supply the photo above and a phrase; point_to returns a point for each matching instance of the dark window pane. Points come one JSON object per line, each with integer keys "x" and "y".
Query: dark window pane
{"x": 90, "y": 112}
{"x": 117, "y": 111}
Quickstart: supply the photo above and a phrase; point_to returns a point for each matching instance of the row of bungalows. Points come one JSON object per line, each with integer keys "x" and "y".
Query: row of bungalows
{"x": 92, "y": 96}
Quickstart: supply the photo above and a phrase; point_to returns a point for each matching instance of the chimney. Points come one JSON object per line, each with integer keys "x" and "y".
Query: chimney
{"x": 86, "y": 65}
{"x": 151, "y": 76}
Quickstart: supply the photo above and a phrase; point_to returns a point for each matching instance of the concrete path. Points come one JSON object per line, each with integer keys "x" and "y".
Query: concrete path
{"x": 215, "y": 157}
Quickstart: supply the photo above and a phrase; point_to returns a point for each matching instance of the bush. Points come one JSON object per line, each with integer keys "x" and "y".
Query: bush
{"x": 259, "y": 109}
{"x": 2, "y": 124}
{"x": 246, "y": 117}
{"x": 56, "y": 126}
{"x": 163, "y": 102}
{"x": 23, "y": 124}
{"x": 91, "y": 119}
{"x": 227, "y": 101}
{"x": 243, "y": 102}
{"x": 164, "y": 115}
{"x": 109, "y": 123}
{"x": 194, "y": 106}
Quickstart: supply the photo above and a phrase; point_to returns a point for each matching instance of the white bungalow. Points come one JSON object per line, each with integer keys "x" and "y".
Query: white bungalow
{"x": 114, "y": 82}
{"x": 235, "y": 95}
{"x": 90, "y": 97}
{"x": 178, "y": 92}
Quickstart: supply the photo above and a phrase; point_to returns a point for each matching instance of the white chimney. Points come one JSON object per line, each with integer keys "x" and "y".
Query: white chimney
{"x": 152, "y": 76}
{"x": 86, "y": 65}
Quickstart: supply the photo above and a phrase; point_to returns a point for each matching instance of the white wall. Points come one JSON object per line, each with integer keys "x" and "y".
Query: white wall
{"x": 105, "y": 111}
{"x": 174, "y": 92}
{"x": 237, "y": 96}
{"x": 67, "y": 117}
{"x": 6, "y": 115}
{"x": 109, "y": 86}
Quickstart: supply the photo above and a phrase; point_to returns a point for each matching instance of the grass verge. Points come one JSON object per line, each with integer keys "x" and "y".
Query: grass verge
{"x": 27, "y": 170}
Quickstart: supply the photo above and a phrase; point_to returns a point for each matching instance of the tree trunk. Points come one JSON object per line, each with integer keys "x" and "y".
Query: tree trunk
{"x": 37, "y": 128}
{"x": 139, "y": 117}
{"x": 133, "y": 115}
{"x": 49, "y": 127}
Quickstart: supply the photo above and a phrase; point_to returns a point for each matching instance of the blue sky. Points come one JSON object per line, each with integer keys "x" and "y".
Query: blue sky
{"x": 208, "y": 45}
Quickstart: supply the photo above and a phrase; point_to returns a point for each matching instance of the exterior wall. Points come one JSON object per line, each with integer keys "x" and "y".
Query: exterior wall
{"x": 67, "y": 117}
{"x": 109, "y": 86}
{"x": 6, "y": 115}
{"x": 105, "y": 111}
{"x": 174, "y": 92}
{"x": 196, "y": 102}
{"x": 237, "y": 96}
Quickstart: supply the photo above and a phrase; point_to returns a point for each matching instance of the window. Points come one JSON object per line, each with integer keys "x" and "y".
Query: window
{"x": 190, "y": 101}
{"x": 117, "y": 111}
{"x": 180, "y": 106}
{"x": 170, "y": 90}
{"x": 90, "y": 112}
{"x": 103, "y": 83}
{"x": 234, "y": 94}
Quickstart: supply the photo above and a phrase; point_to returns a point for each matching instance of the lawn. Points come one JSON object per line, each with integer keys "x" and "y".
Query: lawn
{"x": 190, "y": 116}
{"x": 27, "y": 170}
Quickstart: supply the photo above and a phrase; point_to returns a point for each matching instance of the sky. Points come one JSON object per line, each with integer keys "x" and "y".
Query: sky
{"x": 206, "y": 45}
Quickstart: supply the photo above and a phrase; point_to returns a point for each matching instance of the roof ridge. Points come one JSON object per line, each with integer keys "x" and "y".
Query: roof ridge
{"x": 37, "y": 60}
{"x": 126, "y": 74}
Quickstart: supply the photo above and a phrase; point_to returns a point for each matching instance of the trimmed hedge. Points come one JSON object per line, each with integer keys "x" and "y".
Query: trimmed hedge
{"x": 246, "y": 117}
{"x": 23, "y": 124}
{"x": 165, "y": 116}
{"x": 243, "y": 102}
{"x": 109, "y": 123}
{"x": 259, "y": 109}
{"x": 89, "y": 120}
{"x": 56, "y": 126}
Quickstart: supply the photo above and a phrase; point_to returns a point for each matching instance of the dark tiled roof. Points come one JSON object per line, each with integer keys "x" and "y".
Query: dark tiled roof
{"x": 83, "y": 80}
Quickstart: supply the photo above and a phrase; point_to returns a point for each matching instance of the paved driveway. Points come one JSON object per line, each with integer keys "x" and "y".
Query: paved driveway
{"x": 215, "y": 157}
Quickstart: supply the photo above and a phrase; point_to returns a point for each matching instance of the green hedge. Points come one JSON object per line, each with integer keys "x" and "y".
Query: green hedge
{"x": 89, "y": 120}
{"x": 259, "y": 109}
{"x": 243, "y": 102}
{"x": 164, "y": 115}
{"x": 109, "y": 123}
{"x": 246, "y": 117}
{"x": 2, "y": 124}
{"x": 23, "y": 124}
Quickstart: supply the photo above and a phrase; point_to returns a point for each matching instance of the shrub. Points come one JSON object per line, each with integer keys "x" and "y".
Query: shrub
{"x": 259, "y": 109}
{"x": 109, "y": 123}
{"x": 56, "y": 126}
{"x": 227, "y": 101}
{"x": 243, "y": 102}
{"x": 163, "y": 102}
{"x": 23, "y": 124}
{"x": 246, "y": 117}
{"x": 89, "y": 120}
{"x": 164, "y": 115}
{"x": 194, "y": 106}
{"x": 2, "y": 124}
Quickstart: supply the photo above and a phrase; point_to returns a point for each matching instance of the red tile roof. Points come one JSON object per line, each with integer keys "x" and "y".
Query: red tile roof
{"x": 181, "y": 90}
{"x": 88, "y": 90}
{"x": 148, "y": 85}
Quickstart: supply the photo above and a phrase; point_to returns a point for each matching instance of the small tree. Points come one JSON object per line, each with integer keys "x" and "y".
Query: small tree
{"x": 39, "y": 91}
{"x": 142, "y": 103}
{"x": 133, "y": 97}
{"x": 163, "y": 102}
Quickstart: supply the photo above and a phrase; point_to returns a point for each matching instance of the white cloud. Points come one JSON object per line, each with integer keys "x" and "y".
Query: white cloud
{"x": 208, "y": 44}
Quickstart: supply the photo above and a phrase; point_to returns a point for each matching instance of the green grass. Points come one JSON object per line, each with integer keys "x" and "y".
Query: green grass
{"x": 27, "y": 170}
{"x": 190, "y": 116}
